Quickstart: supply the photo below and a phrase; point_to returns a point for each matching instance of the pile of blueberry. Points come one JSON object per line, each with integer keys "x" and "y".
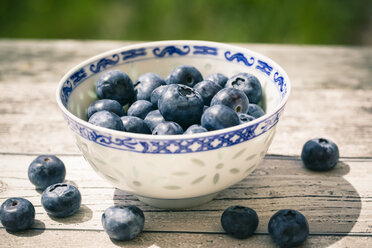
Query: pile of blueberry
{"x": 287, "y": 227}
{"x": 183, "y": 103}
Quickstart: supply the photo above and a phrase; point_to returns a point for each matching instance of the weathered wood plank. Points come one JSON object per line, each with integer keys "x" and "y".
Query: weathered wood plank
{"x": 83, "y": 238}
{"x": 331, "y": 95}
{"x": 338, "y": 201}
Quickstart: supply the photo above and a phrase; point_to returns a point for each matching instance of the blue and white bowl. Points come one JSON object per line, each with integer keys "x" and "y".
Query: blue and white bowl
{"x": 174, "y": 171}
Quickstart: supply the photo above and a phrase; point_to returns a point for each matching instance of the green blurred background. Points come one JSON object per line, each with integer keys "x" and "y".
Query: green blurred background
{"x": 260, "y": 21}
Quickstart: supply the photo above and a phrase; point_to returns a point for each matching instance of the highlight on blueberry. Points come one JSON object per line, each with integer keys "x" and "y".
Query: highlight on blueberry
{"x": 61, "y": 200}
{"x": 320, "y": 154}
{"x": 17, "y": 214}
{"x": 288, "y": 228}
{"x": 46, "y": 170}
{"x": 239, "y": 221}
{"x": 123, "y": 222}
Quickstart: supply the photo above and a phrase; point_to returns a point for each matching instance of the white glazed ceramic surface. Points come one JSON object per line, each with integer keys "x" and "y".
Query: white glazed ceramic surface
{"x": 178, "y": 170}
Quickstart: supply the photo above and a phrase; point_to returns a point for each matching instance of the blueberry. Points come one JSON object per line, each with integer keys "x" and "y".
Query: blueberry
{"x": 218, "y": 78}
{"x": 232, "y": 98}
{"x": 196, "y": 128}
{"x": 145, "y": 84}
{"x": 255, "y": 110}
{"x": 115, "y": 85}
{"x": 288, "y": 228}
{"x": 123, "y": 223}
{"x": 244, "y": 118}
{"x": 219, "y": 117}
{"x": 155, "y": 95}
{"x": 247, "y": 83}
{"x": 320, "y": 154}
{"x": 135, "y": 124}
{"x": 46, "y": 170}
{"x": 207, "y": 89}
{"x": 140, "y": 108}
{"x": 239, "y": 222}
{"x": 181, "y": 104}
{"x": 61, "y": 200}
{"x": 153, "y": 118}
{"x": 105, "y": 104}
{"x": 167, "y": 128}
{"x": 17, "y": 214}
{"x": 106, "y": 119}
{"x": 185, "y": 74}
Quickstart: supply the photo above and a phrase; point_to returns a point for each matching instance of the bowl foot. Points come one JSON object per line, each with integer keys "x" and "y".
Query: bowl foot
{"x": 177, "y": 203}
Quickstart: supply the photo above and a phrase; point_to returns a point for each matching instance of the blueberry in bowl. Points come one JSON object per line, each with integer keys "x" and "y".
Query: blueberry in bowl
{"x": 174, "y": 170}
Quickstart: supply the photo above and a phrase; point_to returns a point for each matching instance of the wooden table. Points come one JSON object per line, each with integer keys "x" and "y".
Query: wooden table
{"x": 331, "y": 97}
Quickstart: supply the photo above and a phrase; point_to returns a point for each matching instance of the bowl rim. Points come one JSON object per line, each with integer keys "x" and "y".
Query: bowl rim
{"x": 117, "y": 133}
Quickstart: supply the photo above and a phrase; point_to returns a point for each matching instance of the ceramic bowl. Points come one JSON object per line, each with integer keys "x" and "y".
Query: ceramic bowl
{"x": 174, "y": 171}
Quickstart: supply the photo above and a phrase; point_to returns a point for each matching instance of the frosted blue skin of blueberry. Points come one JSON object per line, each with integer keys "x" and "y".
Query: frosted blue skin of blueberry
{"x": 181, "y": 104}
{"x": 140, "y": 108}
{"x": 244, "y": 118}
{"x": 155, "y": 95}
{"x": 247, "y": 83}
{"x": 167, "y": 128}
{"x": 255, "y": 110}
{"x": 123, "y": 223}
{"x": 239, "y": 221}
{"x": 207, "y": 89}
{"x": 186, "y": 75}
{"x": 218, "y": 78}
{"x": 105, "y": 104}
{"x": 46, "y": 170}
{"x": 17, "y": 214}
{"x": 135, "y": 124}
{"x": 288, "y": 228}
{"x": 196, "y": 128}
{"x": 218, "y": 117}
{"x": 320, "y": 154}
{"x": 107, "y": 119}
{"x": 145, "y": 84}
{"x": 115, "y": 85}
{"x": 61, "y": 200}
{"x": 153, "y": 118}
{"x": 232, "y": 98}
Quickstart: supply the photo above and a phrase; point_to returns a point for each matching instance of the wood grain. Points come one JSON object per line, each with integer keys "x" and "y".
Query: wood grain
{"x": 331, "y": 201}
{"x": 331, "y": 95}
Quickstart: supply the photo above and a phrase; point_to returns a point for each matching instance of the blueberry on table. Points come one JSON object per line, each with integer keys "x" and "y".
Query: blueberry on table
{"x": 218, "y": 117}
{"x": 196, "y": 128}
{"x": 105, "y": 104}
{"x": 46, "y": 170}
{"x": 145, "y": 84}
{"x": 247, "y": 83}
{"x": 244, "y": 118}
{"x": 218, "y": 78}
{"x": 167, "y": 128}
{"x": 155, "y": 95}
{"x": 115, "y": 85}
{"x": 140, "y": 108}
{"x": 185, "y": 74}
{"x": 61, "y": 200}
{"x": 320, "y": 154}
{"x": 207, "y": 89}
{"x": 135, "y": 124}
{"x": 288, "y": 228}
{"x": 239, "y": 221}
{"x": 232, "y": 98}
{"x": 107, "y": 119}
{"x": 123, "y": 223}
{"x": 181, "y": 104}
{"x": 17, "y": 214}
{"x": 153, "y": 118}
{"x": 255, "y": 110}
